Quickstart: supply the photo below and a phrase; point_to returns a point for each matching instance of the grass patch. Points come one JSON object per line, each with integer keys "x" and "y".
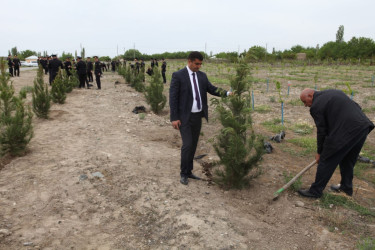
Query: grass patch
{"x": 218, "y": 80}
{"x": 371, "y": 97}
{"x": 302, "y": 129}
{"x": 307, "y": 143}
{"x": 340, "y": 200}
{"x": 262, "y": 109}
{"x": 296, "y": 102}
{"x": 27, "y": 89}
{"x": 368, "y": 110}
{"x": 274, "y": 125}
{"x": 366, "y": 244}
{"x": 296, "y": 185}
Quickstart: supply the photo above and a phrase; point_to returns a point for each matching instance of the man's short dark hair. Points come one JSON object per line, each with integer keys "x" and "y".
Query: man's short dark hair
{"x": 195, "y": 55}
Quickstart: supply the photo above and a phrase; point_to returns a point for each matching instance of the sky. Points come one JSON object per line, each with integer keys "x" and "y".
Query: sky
{"x": 109, "y": 27}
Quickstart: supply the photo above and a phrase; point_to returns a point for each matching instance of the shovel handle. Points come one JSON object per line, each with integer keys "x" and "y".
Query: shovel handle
{"x": 294, "y": 179}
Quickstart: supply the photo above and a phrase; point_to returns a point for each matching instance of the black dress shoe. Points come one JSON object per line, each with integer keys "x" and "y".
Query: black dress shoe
{"x": 306, "y": 193}
{"x": 337, "y": 188}
{"x": 191, "y": 176}
{"x": 184, "y": 180}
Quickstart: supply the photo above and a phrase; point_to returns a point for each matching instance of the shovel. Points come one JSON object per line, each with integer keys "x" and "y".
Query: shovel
{"x": 278, "y": 192}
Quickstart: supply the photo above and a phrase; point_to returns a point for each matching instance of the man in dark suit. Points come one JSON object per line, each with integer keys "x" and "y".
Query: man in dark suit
{"x": 54, "y": 66}
{"x": 82, "y": 72}
{"x": 98, "y": 72}
{"x": 163, "y": 70}
{"x": 89, "y": 70}
{"x": 342, "y": 129}
{"x": 10, "y": 65}
{"x": 16, "y": 64}
{"x": 68, "y": 66}
{"x": 188, "y": 104}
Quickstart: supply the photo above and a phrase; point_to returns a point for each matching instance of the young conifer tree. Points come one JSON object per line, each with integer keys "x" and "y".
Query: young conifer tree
{"x": 73, "y": 79}
{"x": 129, "y": 75}
{"x": 66, "y": 82}
{"x": 138, "y": 83}
{"x": 58, "y": 91}
{"x": 154, "y": 92}
{"x": 41, "y": 97}
{"x": 237, "y": 145}
{"x": 16, "y": 128}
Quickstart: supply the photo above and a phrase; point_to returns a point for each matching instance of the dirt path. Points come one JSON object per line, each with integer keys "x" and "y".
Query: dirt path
{"x": 50, "y": 198}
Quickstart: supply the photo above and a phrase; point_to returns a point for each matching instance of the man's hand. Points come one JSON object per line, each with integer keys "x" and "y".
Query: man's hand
{"x": 176, "y": 124}
{"x": 317, "y": 158}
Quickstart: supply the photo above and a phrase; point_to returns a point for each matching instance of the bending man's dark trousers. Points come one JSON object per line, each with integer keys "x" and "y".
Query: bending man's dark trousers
{"x": 82, "y": 80}
{"x": 11, "y": 71}
{"x": 190, "y": 136}
{"x": 164, "y": 78}
{"x": 346, "y": 158}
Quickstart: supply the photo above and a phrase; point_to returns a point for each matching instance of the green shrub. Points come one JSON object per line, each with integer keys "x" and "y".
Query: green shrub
{"x": 154, "y": 92}
{"x": 41, "y": 98}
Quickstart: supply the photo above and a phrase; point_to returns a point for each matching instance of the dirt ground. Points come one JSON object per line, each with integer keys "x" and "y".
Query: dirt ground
{"x": 97, "y": 176}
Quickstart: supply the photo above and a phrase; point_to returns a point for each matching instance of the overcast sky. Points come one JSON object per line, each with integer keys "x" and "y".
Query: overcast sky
{"x": 156, "y": 26}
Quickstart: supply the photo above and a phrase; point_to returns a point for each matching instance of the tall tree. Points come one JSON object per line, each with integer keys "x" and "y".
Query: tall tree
{"x": 41, "y": 98}
{"x": 340, "y": 34}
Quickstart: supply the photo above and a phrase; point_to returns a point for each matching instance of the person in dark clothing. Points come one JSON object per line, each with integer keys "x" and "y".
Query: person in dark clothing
{"x": 137, "y": 65}
{"x": 16, "y": 65}
{"x": 113, "y": 65}
{"x": 90, "y": 67}
{"x": 82, "y": 73}
{"x": 44, "y": 63}
{"x": 342, "y": 129}
{"x": 163, "y": 70}
{"x": 188, "y": 105}
{"x": 149, "y": 71}
{"x": 156, "y": 63}
{"x": 152, "y": 62}
{"x": 68, "y": 66}
{"x": 74, "y": 64}
{"x": 53, "y": 68}
{"x": 98, "y": 72}
{"x": 10, "y": 65}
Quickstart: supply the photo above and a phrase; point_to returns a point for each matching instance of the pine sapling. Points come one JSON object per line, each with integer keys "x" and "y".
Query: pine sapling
{"x": 154, "y": 92}
{"x": 58, "y": 91}
{"x": 41, "y": 98}
{"x": 238, "y": 147}
{"x": 16, "y": 128}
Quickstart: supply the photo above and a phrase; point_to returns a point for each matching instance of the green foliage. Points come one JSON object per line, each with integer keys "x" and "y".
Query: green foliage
{"x": 262, "y": 109}
{"x": 41, "y": 98}
{"x": 238, "y": 147}
{"x": 307, "y": 143}
{"x": 58, "y": 91}
{"x": 154, "y": 92}
{"x": 296, "y": 185}
{"x": 16, "y": 128}
{"x": 341, "y": 200}
{"x": 27, "y": 89}
{"x": 68, "y": 85}
{"x": 366, "y": 244}
{"x": 302, "y": 128}
{"x": 256, "y": 53}
{"x": 73, "y": 79}
{"x": 137, "y": 81}
{"x": 104, "y": 59}
{"x": 65, "y": 55}
{"x": 278, "y": 88}
{"x": 340, "y": 34}
{"x": 274, "y": 125}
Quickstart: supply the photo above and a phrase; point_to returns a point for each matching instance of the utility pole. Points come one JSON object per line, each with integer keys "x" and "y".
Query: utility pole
{"x": 117, "y": 49}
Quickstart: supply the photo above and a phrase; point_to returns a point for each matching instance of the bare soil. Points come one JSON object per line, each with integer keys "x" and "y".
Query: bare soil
{"x": 48, "y": 203}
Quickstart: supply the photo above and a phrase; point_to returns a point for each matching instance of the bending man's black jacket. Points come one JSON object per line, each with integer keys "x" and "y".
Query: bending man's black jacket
{"x": 181, "y": 94}
{"x": 338, "y": 119}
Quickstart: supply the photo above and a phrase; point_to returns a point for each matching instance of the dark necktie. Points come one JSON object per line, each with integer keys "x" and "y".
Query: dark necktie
{"x": 196, "y": 92}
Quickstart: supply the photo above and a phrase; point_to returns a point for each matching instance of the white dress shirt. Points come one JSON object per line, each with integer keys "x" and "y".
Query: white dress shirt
{"x": 194, "y": 109}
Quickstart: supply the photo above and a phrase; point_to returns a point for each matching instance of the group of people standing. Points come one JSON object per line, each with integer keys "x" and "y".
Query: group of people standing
{"x": 14, "y": 65}
{"x": 155, "y": 63}
{"x": 84, "y": 69}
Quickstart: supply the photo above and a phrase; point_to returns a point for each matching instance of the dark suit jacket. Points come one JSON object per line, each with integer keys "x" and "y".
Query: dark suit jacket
{"x": 181, "y": 94}
{"x": 339, "y": 120}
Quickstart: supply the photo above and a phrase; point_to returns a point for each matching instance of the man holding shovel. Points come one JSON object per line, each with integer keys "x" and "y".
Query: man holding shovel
{"x": 342, "y": 129}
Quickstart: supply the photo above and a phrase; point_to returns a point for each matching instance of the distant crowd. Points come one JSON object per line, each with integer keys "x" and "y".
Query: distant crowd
{"x": 84, "y": 68}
